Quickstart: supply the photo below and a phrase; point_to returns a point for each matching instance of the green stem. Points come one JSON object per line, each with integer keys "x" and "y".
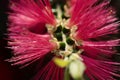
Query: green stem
{"x": 66, "y": 74}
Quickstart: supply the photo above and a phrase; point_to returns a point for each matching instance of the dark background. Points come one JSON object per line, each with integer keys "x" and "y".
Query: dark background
{"x": 14, "y": 73}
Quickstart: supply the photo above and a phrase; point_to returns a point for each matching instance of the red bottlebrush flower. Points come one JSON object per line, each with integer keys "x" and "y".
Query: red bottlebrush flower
{"x": 76, "y": 45}
{"x": 94, "y": 22}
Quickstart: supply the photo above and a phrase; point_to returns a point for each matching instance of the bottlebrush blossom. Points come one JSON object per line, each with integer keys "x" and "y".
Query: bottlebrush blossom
{"x": 66, "y": 47}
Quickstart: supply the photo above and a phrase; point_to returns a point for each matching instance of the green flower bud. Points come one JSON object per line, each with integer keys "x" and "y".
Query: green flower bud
{"x": 76, "y": 69}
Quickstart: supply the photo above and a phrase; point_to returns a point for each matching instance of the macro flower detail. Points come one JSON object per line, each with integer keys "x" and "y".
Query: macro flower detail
{"x": 69, "y": 42}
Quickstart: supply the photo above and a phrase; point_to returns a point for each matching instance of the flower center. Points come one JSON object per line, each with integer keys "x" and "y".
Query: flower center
{"x": 67, "y": 53}
{"x": 62, "y": 36}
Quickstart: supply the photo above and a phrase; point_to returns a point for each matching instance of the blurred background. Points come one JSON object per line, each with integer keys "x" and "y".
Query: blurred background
{"x": 8, "y": 72}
